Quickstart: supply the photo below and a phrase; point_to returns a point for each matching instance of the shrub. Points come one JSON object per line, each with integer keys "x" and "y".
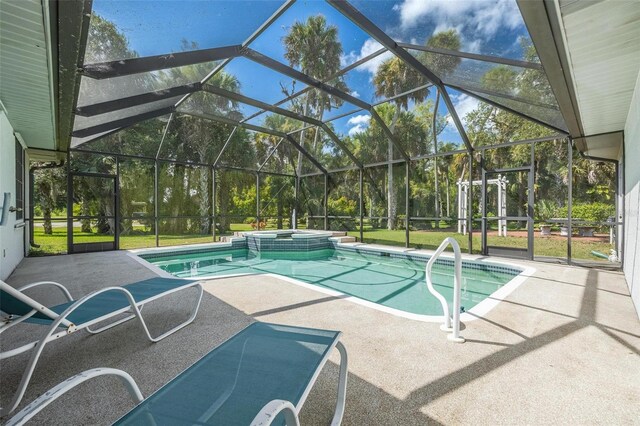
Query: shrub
{"x": 545, "y": 209}
{"x": 342, "y": 206}
{"x": 590, "y": 212}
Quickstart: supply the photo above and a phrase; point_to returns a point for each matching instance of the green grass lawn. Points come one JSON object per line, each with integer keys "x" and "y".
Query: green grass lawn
{"x": 141, "y": 238}
{"x": 543, "y": 246}
{"x": 56, "y": 243}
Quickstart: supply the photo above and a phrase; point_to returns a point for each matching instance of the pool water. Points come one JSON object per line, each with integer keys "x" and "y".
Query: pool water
{"x": 397, "y": 283}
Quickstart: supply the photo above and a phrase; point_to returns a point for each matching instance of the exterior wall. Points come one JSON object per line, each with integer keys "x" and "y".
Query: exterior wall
{"x": 631, "y": 265}
{"x": 11, "y": 238}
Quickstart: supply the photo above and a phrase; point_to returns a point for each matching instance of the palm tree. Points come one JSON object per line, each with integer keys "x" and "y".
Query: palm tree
{"x": 282, "y": 157}
{"x": 394, "y": 77}
{"x": 447, "y": 168}
{"x": 105, "y": 42}
{"x": 49, "y": 188}
{"x": 314, "y": 48}
{"x": 204, "y": 138}
{"x": 442, "y": 65}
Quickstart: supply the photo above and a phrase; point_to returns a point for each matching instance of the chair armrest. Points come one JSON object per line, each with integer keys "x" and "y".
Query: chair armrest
{"x": 56, "y": 392}
{"x": 59, "y": 286}
{"x": 269, "y": 412}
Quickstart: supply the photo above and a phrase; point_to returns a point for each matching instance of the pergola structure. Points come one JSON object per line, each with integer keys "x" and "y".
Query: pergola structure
{"x": 107, "y": 100}
{"x": 463, "y": 196}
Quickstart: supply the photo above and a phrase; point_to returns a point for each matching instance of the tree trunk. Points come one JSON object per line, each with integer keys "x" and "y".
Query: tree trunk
{"x": 183, "y": 227}
{"x": 126, "y": 226}
{"x": 111, "y": 221}
{"x": 85, "y": 224}
{"x": 174, "y": 201}
{"x": 48, "y": 202}
{"x": 437, "y": 186}
{"x": 314, "y": 150}
{"x": 435, "y": 171}
{"x": 392, "y": 202}
{"x": 47, "y": 221}
{"x": 446, "y": 176}
{"x": 223, "y": 202}
{"x": 203, "y": 183}
{"x": 302, "y": 135}
{"x": 106, "y": 223}
{"x": 280, "y": 210}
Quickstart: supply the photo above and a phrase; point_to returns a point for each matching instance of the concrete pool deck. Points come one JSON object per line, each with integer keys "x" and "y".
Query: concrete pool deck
{"x": 564, "y": 347}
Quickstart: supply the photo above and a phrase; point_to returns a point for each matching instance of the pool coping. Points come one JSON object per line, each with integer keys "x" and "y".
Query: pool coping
{"x": 478, "y": 311}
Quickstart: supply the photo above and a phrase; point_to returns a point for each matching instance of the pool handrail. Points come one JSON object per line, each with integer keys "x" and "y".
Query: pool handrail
{"x": 457, "y": 280}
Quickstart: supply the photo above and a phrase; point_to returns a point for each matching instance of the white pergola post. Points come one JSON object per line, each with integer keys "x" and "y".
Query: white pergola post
{"x": 459, "y": 208}
{"x": 462, "y": 207}
{"x": 463, "y": 204}
{"x": 503, "y": 208}
{"x": 499, "y": 207}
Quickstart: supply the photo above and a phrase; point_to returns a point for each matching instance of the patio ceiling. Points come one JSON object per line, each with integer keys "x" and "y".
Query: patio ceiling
{"x": 602, "y": 41}
{"x": 590, "y": 52}
{"x": 173, "y": 57}
{"x": 26, "y": 83}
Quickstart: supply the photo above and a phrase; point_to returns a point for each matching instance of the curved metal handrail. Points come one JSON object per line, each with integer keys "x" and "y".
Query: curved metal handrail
{"x": 457, "y": 280}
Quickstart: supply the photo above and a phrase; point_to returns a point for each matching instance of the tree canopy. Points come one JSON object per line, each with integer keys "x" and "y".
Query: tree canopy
{"x": 184, "y": 145}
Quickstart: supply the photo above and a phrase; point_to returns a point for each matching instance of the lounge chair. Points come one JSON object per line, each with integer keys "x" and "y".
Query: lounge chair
{"x": 262, "y": 375}
{"x": 75, "y": 315}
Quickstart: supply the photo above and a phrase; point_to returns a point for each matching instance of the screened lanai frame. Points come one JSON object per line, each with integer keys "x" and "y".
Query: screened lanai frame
{"x": 158, "y": 103}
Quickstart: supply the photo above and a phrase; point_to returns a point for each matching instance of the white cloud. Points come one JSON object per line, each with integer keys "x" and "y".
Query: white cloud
{"x": 359, "y": 119}
{"x": 355, "y": 94}
{"x": 488, "y": 20}
{"x": 484, "y": 17}
{"x": 357, "y": 129}
{"x": 463, "y": 104}
{"x": 446, "y": 26}
{"x": 359, "y": 123}
{"x": 368, "y": 47}
{"x": 472, "y": 46}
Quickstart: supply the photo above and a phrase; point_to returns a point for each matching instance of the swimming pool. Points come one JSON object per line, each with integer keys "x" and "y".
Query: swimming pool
{"x": 394, "y": 282}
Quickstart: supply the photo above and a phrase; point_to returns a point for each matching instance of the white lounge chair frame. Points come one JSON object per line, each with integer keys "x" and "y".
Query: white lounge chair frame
{"x": 291, "y": 413}
{"x": 264, "y": 418}
{"x": 59, "y": 320}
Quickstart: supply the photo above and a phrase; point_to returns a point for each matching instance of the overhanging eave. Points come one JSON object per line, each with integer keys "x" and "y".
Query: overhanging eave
{"x": 543, "y": 23}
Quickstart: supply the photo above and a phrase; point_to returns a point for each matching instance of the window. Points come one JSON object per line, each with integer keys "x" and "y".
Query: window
{"x": 19, "y": 181}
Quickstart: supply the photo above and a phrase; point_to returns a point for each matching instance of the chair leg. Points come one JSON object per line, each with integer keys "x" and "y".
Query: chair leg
{"x": 28, "y": 372}
{"x": 342, "y": 386}
{"x": 52, "y": 335}
{"x": 35, "y": 355}
{"x": 176, "y": 328}
{"x": 113, "y": 324}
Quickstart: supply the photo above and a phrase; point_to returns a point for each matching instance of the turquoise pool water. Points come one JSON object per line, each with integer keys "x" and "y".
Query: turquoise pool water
{"x": 395, "y": 282}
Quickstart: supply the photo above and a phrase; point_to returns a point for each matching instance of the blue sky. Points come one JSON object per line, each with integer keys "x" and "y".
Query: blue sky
{"x": 154, "y": 27}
